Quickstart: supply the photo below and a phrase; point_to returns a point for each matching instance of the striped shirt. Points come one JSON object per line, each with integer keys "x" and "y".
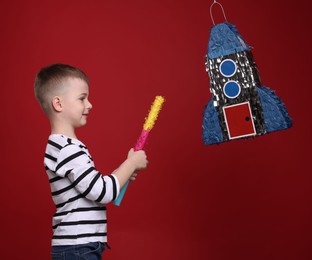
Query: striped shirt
{"x": 79, "y": 192}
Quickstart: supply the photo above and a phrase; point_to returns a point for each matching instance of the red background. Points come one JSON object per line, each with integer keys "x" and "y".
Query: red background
{"x": 246, "y": 199}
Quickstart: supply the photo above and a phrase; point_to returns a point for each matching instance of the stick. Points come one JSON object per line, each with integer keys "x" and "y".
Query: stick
{"x": 147, "y": 127}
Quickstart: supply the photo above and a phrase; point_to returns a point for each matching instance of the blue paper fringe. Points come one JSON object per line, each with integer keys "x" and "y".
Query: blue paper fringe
{"x": 275, "y": 114}
{"x": 224, "y": 40}
{"x": 211, "y": 133}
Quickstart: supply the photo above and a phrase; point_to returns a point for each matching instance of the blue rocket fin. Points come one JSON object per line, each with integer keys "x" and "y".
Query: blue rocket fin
{"x": 275, "y": 114}
{"x": 211, "y": 133}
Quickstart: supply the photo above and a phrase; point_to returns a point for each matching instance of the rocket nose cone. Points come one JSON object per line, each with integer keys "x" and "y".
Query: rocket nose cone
{"x": 224, "y": 40}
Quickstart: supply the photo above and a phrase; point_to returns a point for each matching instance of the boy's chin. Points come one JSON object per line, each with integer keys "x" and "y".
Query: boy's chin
{"x": 81, "y": 124}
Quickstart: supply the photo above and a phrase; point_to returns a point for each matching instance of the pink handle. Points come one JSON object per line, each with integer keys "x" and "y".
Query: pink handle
{"x": 141, "y": 140}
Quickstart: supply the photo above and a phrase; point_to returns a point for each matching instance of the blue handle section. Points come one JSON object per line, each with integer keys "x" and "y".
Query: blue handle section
{"x": 117, "y": 202}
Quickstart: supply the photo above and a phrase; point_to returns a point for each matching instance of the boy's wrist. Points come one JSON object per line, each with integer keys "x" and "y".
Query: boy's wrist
{"x": 130, "y": 163}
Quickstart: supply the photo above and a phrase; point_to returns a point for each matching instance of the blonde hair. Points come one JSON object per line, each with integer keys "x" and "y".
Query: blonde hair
{"x": 51, "y": 78}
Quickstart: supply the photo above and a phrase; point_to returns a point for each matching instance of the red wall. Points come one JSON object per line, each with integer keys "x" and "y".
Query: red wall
{"x": 247, "y": 199}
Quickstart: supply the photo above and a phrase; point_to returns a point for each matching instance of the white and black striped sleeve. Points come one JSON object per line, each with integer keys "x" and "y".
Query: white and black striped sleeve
{"x": 76, "y": 165}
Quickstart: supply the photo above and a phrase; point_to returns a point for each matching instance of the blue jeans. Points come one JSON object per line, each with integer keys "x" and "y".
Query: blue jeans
{"x": 90, "y": 251}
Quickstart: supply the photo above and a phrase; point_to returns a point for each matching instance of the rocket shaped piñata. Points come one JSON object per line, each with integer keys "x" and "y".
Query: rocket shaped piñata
{"x": 240, "y": 106}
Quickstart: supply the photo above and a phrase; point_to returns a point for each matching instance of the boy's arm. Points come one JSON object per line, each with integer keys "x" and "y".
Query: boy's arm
{"x": 76, "y": 165}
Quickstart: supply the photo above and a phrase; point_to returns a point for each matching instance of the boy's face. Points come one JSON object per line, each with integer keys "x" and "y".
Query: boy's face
{"x": 75, "y": 103}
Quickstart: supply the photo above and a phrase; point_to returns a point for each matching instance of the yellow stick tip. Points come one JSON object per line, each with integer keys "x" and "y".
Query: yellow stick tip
{"x": 154, "y": 111}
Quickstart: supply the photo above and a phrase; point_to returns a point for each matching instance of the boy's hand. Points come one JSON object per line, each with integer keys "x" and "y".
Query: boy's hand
{"x": 138, "y": 158}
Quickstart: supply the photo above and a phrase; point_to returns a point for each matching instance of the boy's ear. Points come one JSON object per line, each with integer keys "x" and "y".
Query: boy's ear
{"x": 57, "y": 104}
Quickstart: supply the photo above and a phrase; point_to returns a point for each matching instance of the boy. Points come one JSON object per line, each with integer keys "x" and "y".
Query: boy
{"x": 79, "y": 191}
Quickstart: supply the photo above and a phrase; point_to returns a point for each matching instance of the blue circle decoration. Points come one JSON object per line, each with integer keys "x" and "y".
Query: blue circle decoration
{"x": 228, "y": 68}
{"x": 231, "y": 89}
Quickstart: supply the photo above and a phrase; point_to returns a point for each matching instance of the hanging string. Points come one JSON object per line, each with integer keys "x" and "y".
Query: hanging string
{"x": 215, "y": 2}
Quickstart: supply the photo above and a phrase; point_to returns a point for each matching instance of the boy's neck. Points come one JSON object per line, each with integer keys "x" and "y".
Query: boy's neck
{"x": 65, "y": 134}
{"x": 62, "y": 131}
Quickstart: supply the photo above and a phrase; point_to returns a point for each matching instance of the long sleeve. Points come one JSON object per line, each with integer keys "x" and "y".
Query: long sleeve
{"x": 75, "y": 164}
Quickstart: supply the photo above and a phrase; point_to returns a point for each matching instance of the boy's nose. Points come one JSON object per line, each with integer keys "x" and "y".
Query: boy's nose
{"x": 89, "y": 105}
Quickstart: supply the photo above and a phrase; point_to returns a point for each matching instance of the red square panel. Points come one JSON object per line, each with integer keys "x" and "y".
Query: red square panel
{"x": 239, "y": 120}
